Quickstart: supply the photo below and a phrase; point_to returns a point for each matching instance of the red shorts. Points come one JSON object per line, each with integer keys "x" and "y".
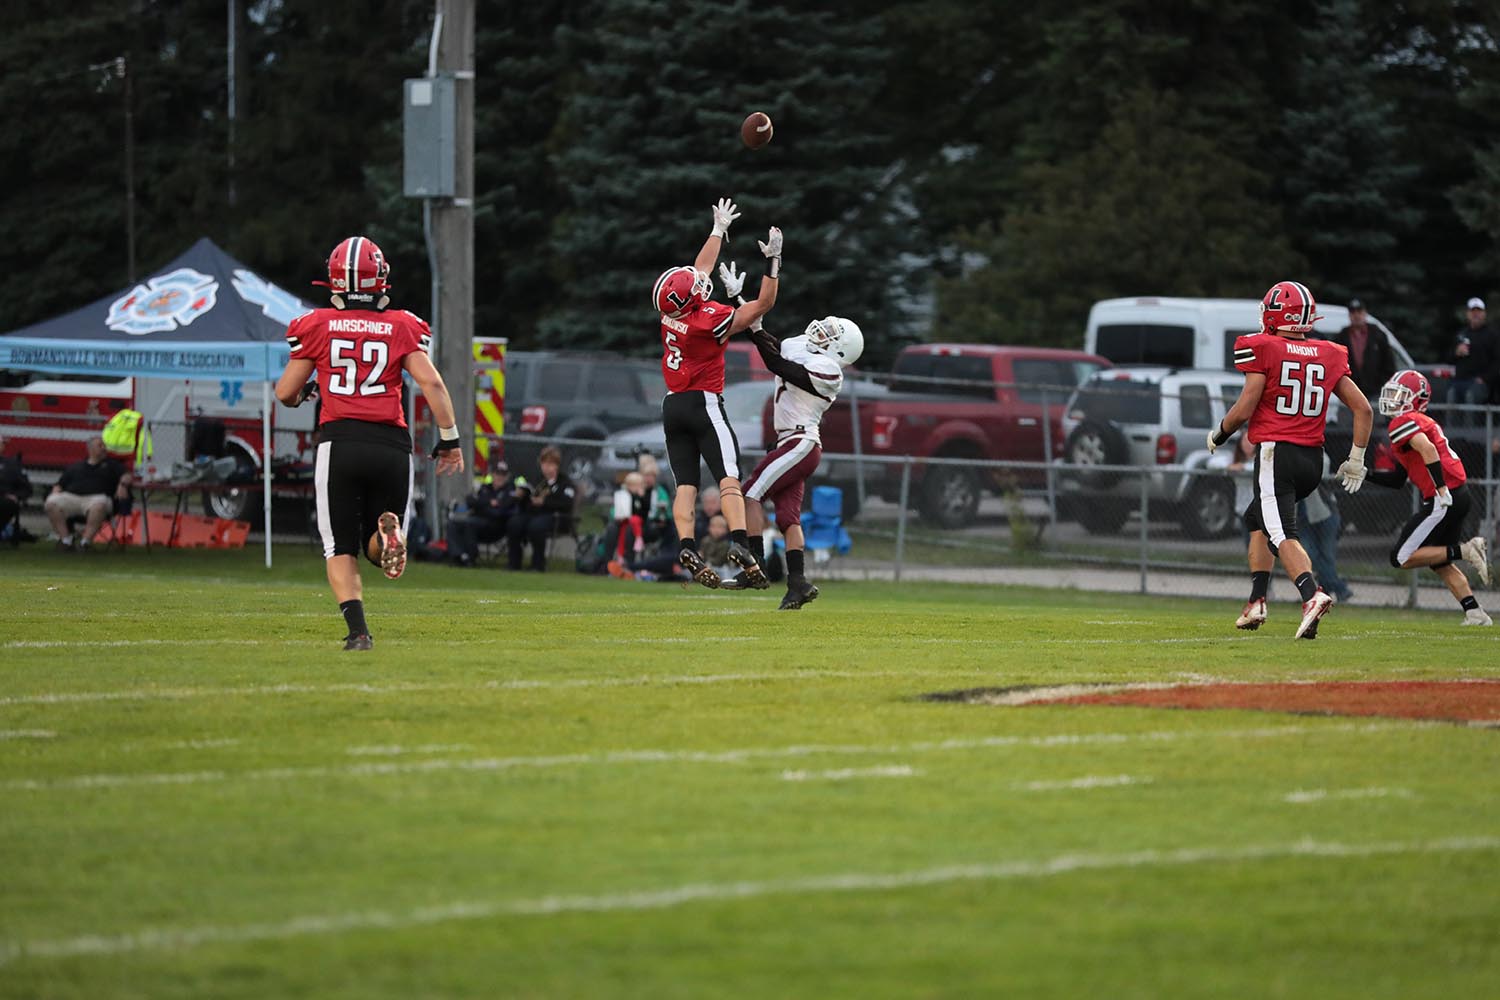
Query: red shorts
{"x": 781, "y": 476}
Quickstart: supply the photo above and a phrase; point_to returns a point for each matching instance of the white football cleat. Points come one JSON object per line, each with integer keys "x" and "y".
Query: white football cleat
{"x": 1476, "y": 552}
{"x": 1254, "y": 615}
{"x": 392, "y": 546}
{"x": 1476, "y": 616}
{"x": 1314, "y": 609}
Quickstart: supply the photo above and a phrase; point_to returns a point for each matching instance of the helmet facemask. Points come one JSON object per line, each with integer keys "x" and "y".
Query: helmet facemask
{"x": 1395, "y": 399}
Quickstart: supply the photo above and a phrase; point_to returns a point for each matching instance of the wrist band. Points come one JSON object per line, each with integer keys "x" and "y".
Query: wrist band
{"x": 773, "y": 267}
{"x": 1435, "y": 470}
{"x": 448, "y": 433}
{"x": 1357, "y": 453}
{"x": 1219, "y": 436}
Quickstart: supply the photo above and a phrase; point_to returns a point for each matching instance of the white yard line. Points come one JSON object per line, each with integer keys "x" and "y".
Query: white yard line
{"x": 1306, "y": 795}
{"x": 1093, "y": 781}
{"x": 179, "y": 939}
{"x": 397, "y": 751}
{"x": 27, "y": 734}
{"x": 650, "y": 756}
{"x": 848, "y": 773}
{"x": 398, "y": 688}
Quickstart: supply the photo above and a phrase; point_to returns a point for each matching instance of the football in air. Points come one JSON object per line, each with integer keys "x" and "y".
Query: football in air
{"x": 757, "y": 130}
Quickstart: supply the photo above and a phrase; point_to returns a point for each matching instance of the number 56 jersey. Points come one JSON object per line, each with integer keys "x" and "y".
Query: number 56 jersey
{"x": 360, "y": 354}
{"x": 1300, "y": 377}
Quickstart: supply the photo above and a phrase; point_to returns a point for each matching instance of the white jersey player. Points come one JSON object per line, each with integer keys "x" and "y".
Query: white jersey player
{"x": 809, "y": 373}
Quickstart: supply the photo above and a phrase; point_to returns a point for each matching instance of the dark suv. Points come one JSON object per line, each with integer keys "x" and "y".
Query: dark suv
{"x": 572, "y": 394}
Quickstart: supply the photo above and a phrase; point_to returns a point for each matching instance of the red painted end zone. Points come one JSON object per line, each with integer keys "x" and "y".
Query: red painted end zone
{"x": 1457, "y": 701}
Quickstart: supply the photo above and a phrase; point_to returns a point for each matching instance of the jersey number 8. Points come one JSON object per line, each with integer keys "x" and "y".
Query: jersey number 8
{"x": 1303, "y": 389}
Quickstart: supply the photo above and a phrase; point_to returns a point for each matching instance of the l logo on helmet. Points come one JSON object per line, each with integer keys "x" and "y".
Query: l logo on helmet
{"x": 164, "y": 303}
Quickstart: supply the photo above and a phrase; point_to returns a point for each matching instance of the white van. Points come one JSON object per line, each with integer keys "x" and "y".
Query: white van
{"x": 1196, "y": 333}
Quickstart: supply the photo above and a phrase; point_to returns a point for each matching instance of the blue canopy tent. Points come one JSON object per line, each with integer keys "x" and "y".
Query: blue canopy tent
{"x": 204, "y": 315}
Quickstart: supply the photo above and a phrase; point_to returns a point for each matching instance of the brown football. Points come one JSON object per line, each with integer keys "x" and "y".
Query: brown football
{"x": 757, "y": 130}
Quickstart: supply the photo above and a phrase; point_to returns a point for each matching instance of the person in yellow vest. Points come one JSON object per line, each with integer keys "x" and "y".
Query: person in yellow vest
{"x": 91, "y": 489}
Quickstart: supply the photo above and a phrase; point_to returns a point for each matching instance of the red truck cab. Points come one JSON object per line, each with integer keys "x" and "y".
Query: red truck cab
{"x": 959, "y": 401}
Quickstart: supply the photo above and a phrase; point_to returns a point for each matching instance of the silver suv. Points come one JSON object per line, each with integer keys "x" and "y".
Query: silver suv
{"x": 1155, "y": 418}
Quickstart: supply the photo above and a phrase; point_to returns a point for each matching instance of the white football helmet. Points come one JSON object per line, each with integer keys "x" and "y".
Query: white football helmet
{"x": 839, "y": 338}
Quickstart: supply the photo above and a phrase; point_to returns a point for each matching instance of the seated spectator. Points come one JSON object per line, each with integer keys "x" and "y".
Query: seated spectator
{"x": 91, "y": 489}
{"x": 713, "y": 546}
{"x": 659, "y": 526}
{"x": 541, "y": 510}
{"x": 486, "y": 515}
{"x": 15, "y": 489}
{"x": 710, "y": 506}
{"x": 627, "y": 531}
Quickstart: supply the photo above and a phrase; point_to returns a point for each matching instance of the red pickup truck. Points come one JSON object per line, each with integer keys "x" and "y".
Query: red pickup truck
{"x": 978, "y": 401}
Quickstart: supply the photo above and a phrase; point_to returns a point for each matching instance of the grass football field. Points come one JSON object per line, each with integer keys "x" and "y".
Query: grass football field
{"x": 567, "y": 787}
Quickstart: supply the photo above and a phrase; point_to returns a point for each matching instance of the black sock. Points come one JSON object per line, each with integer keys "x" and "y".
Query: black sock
{"x": 688, "y": 543}
{"x": 1468, "y": 603}
{"x": 740, "y": 538}
{"x": 1260, "y": 585}
{"x": 354, "y": 617}
{"x": 1306, "y": 586}
{"x": 1453, "y": 555}
{"x": 758, "y": 547}
{"x": 794, "y": 564}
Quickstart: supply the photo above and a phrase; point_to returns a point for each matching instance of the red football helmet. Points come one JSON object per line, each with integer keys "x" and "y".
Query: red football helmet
{"x": 1288, "y": 308}
{"x": 357, "y": 266}
{"x": 1407, "y": 390}
{"x": 679, "y": 289}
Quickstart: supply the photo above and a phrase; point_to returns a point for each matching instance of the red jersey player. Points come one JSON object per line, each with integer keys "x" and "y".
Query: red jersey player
{"x": 362, "y": 477}
{"x": 1431, "y": 537}
{"x": 1288, "y": 380}
{"x": 694, "y": 331}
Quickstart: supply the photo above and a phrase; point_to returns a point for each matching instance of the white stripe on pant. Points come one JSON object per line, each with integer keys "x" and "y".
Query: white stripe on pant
{"x": 726, "y": 437}
{"x": 1421, "y": 533}
{"x": 1270, "y": 513}
{"x": 320, "y": 492}
{"x": 765, "y": 483}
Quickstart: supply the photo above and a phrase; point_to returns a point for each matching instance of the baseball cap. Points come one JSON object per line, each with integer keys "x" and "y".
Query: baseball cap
{"x": 1355, "y": 304}
{"x": 498, "y": 465}
{"x": 1476, "y": 303}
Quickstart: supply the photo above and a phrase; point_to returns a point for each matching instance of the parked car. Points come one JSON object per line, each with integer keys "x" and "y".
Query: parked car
{"x": 976, "y": 401}
{"x": 1146, "y": 416}
{"x": 743, "y": 403}
{"x": 1196, "y": 333}
{"x": 568, "y": 394}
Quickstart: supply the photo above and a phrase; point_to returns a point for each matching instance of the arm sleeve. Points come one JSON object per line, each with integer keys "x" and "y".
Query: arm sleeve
{"x": 720, "y": 330}
{"x": 1402, "y": 430}
{"x": 791, "y": 372}
{"x": 298, "y": 338}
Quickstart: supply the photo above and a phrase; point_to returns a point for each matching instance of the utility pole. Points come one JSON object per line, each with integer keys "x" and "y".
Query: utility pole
{"x": 453, "y": 234}
{"x": 122, "y": 68}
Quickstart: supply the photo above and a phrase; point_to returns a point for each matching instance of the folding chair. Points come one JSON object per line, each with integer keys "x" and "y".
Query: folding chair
{"x": 115, "y": 531}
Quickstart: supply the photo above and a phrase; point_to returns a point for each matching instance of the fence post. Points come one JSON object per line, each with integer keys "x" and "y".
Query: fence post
{"x": 901, "y": 514}
{"x": 1411, "y": 577}
{"x": 1491, "y": 494}
{"x": 1047, "y": 458}
{"x": 1145, "y": 523}
{"x": 859, "y": 465}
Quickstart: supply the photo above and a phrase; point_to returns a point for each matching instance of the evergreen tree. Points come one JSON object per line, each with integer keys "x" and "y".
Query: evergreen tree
{"x": 649, "y": 139}
{"x": 1347, "y": 193}
{"x": 1147, "y": 208}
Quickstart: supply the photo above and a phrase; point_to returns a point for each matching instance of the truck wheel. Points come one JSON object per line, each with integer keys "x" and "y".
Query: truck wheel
{"x": 234, "y": 504}
{"x": 950, "y": 496}
{"x": 1103, "y": 519}
{"x": 1208, "y": 511}
{"x": 1096, "y": 442}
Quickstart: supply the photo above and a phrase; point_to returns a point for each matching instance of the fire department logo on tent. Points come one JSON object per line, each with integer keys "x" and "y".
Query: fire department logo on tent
{"x": 163, "y": 304}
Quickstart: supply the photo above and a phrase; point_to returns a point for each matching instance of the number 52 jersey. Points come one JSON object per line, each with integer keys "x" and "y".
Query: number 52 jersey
{"x": 360, "y": 354}
{"x": 1300, "y": 378}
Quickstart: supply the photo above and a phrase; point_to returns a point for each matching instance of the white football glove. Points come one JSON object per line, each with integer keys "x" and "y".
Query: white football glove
{"x": 725, "y": 212}
{"x": 1443, "y": 498}
{"x": 1212, "y": 444}
{"x": 1352, "y": 472}
{"x": 772, "y": 246}
{"x": 732, "y": 280}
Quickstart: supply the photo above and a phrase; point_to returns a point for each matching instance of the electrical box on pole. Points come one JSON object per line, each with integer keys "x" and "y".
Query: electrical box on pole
{"x": 430, "y": 135}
